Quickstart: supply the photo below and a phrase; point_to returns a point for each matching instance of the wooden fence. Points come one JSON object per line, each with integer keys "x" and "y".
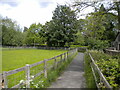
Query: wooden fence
{"x": 112, "y": 52}
{"x": 100, "y": 80}
{"x": 54, "y": 63}
{"x": 46, "y": 48}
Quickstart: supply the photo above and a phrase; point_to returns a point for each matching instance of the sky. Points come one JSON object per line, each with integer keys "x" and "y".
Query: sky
{"x": 26, "y": 12}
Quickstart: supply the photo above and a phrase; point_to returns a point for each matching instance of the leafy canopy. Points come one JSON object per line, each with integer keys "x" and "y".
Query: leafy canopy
{"x": 62, "y": 28}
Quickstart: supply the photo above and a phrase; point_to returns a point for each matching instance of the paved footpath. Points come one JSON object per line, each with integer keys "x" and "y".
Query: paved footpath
{"x": 73, "y": 75}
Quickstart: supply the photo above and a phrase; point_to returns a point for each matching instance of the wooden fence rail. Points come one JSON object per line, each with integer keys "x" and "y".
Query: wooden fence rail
{"x": 38, "y": 47}
{"x": 95, "y": 69}
{"x": 3, "y": 77}
{"x": 1, "y": 81}
{"x": 112, "y": 52}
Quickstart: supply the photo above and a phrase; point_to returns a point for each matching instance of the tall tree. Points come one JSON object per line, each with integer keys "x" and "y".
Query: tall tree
{"x": 25, "y": 29}
{"x": 62, "y": 28}
{"x": 11, "y": 33}
{"x": 102, "y": 23}
{"x": 34, "y": 35}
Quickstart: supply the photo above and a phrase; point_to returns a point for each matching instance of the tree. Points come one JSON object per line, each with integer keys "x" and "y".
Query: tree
{"x": 25, "y": 29}
{"x": 94, "y": 25}
{"x": 101, "y": 23}
{"x": 11, "y": 33}
{"x": 34, "y": 35}
{"x": 62, "y": 27}
{"x": 0, "y": 30}
{"x": 113, "y": 7}
{"x": 99, "y": 28}
{"x": 79, "y": 40}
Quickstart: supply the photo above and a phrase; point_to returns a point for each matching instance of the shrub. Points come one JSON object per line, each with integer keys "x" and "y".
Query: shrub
{"x": 97, "y": 44}
{"x": 109, "y": 65}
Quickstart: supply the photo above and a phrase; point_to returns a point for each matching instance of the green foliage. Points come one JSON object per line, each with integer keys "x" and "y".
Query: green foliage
{"x": 88, "y": 72}
{"x": 109, "y": 66}
{"x": 34, "y": 35}
{"x": 95, "y": 26}
{"x": 100, "y": 26}
{"x": 79, "y": 40}
{"x": 96, "y": 44}
{"x": 99, "y": 29}
{"x": 62, "y": 27}
{"x": 11, "y": 34}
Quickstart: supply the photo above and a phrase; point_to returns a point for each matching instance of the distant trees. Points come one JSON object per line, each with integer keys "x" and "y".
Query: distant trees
{"x": 79, "y": 39}
{"x": 97, "y": 30}
{"x": 62, "y": 28}
{"x": 11, "y": 33}
{"x": 101, "y": 25}
{"x": 34, "y": 35}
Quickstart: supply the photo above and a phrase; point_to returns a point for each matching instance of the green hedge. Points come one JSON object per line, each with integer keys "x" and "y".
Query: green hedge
{"x": 109, "y": 66}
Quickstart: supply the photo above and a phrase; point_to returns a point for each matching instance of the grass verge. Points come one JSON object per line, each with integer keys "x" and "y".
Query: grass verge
{"x": 90, "y": 82}
{"x": 52, "y": 75}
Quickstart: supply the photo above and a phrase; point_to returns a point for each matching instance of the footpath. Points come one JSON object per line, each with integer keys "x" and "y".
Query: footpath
{"x": 73, "y": 76}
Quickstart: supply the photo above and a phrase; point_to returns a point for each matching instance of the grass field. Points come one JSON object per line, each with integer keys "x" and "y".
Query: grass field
{"x": 16, "y": 58}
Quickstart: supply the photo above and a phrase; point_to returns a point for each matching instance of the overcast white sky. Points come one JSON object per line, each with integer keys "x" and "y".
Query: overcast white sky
{"x": 26, "y": 12}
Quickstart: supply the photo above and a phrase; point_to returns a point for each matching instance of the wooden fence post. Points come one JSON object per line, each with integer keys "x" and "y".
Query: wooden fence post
{"x": 27, "y": 76}
{"x": 64, "y": 56}
{"x": 67, "y": 55}
{"x": 55, "y": 63}
{"x": 45, "y": 68}
{"x": 1, "y": 81}
{"x": 5, "y": 79}
{"x": 76, "y": 49}
{"x": 61, "y": 57}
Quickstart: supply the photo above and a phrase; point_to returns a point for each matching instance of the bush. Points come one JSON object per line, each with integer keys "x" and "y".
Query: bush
{"x": 97, "y": 44}
{"x": 75, "y": 46}
{"x": 109, "y": 65}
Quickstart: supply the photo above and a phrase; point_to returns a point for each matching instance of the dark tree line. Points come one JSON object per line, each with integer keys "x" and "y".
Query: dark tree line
{"x": 97, "y": 30}
{"x": 58, "y": 32}
{"x": 101, "y": 25}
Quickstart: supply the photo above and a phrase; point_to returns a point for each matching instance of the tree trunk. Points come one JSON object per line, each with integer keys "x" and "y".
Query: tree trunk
{"x": 118, "y": 10}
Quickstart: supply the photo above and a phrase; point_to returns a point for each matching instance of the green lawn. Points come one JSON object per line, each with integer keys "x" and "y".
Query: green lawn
{"x": 16, "y": 58}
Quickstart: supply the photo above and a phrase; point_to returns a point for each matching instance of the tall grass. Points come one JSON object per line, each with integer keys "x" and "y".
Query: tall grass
{"x": 88, "y": 72}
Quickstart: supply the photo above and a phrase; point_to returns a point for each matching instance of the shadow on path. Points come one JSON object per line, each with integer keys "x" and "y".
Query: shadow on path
{"x": 73, "y": 75}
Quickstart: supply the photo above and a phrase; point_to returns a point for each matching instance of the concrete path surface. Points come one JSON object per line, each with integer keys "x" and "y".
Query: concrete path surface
{"x": 73, "y": 75}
